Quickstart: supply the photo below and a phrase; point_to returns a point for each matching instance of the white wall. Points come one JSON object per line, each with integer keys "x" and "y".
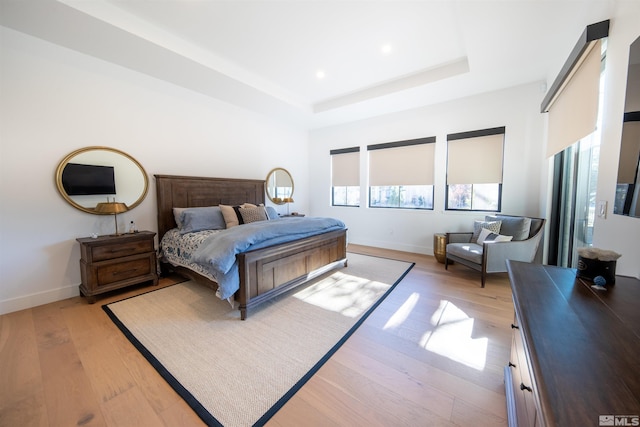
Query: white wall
{"x": 54, "y": 101}
{"x": 411, "y": 230}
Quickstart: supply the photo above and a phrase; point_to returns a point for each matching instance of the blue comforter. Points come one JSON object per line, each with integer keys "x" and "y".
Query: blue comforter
{"x": 219, "y": 250}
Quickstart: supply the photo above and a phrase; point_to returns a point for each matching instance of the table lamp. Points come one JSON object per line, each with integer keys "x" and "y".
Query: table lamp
{"x": 287, "y": 200}
{"x": 112, "y": 208}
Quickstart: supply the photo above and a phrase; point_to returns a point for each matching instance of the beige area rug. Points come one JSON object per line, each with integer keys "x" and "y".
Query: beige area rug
{"x": 239, "y": 373}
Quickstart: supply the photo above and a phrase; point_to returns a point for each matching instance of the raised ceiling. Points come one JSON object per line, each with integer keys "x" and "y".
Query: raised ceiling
{"x": 377, "y": 57}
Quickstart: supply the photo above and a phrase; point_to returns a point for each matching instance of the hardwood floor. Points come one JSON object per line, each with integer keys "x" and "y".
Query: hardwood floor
{"x": 432, "y": 354}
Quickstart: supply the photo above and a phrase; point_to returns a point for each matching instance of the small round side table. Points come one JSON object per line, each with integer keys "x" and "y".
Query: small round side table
{"x": 440, "y": 246}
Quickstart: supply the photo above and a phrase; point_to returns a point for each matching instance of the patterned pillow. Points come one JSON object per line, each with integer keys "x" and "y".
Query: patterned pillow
{"x": 493, "y": 226}
{"x": 488, "y": 236}
{"x": 254, "y": 214}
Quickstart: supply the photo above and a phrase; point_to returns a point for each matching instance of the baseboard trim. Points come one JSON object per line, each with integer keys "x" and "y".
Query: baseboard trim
{"x": 38, "y": 298}
{"x": 424, "y": 250}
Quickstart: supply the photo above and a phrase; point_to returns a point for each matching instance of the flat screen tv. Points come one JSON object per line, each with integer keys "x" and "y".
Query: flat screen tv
{"x": 82, "y": 180}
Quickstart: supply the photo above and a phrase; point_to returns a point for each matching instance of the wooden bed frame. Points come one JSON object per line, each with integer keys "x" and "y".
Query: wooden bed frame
{"x": 264, "y": 273}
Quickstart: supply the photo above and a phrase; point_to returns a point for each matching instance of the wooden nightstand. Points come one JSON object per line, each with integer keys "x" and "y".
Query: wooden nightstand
{"x": 113, "y": 262}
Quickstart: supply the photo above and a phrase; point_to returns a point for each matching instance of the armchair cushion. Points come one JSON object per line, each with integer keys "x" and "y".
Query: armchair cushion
{"x": 517, "y": 226}
{"x": 493, "y": 226}
{"x": 468, "y": 251}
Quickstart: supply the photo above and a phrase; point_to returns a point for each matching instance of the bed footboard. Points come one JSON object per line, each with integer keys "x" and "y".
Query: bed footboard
{"x": 266, "y": 273}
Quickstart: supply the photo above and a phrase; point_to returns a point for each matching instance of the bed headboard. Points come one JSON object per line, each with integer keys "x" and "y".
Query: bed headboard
{"x": 189, "y": 191}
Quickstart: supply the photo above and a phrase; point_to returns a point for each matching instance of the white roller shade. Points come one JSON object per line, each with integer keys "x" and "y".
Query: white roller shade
{"x": 345, "y": 169}
{"x": 475, "y": 160}
{"x": 404, "y": 165}
{"x": 574, "y": 112}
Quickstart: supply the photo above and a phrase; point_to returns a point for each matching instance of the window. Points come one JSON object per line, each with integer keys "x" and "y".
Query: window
{"x": 401, "y": 174}
{"x": 474, "y": 170}
{"x": 345, "y": 177}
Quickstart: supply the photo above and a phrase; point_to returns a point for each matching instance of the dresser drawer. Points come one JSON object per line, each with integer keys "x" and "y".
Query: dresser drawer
{"x": 107, "y": 252}
{"x": 113, "y": 272}
{"x": 523, "y": 399}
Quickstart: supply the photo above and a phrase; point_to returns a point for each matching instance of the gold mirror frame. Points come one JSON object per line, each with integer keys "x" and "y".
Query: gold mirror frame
{"x": 127, "y": 165}
{"x": 279, "y": 186}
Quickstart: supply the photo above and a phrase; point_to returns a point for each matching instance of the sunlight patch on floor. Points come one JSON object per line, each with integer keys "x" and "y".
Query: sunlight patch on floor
{"x": 403, "y": 312}
{"x": 452, "y": 337}
{"x": 343, "y": 293}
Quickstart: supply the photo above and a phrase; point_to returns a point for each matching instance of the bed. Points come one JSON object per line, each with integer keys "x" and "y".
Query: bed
{"x": 263, "y": 273}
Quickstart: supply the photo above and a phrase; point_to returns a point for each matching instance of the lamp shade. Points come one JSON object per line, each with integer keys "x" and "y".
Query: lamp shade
{"x": 111, "y": 208}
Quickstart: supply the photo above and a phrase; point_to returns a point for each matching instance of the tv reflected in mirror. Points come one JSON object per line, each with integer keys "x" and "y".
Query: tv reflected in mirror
{"x": 82, "y": 180}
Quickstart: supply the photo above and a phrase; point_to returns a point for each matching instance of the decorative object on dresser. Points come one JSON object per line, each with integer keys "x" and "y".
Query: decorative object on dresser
{"x": 574, "y": 357}
{"x": 596, "y": 262}
{"x": 113, "y": 262}
{"x": 264, "y": 272}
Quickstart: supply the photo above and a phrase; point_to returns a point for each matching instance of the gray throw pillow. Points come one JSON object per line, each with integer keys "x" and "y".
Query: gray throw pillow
{"x": 271, "y": 212}
{"x": 198, "y": 219}
{"x": 518, "y": 226}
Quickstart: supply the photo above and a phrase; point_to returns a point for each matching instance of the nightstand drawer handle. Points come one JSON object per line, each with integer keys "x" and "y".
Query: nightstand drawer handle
{"x": 524, "y": 387}
{"x": 133, "y": 270}
{"x": 512, "y": 365}
{"x": 514, "y": 326}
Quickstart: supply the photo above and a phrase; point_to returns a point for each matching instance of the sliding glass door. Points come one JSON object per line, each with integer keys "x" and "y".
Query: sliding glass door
{"x": 574, "y": 203}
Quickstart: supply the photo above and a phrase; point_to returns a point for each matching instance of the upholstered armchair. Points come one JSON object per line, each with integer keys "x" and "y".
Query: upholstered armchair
{"x": 493, "y": 241}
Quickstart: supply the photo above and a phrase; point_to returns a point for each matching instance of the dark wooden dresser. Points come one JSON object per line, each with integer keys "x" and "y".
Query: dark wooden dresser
{"x": 575, "y": 356}
{"x": 113, "y": 262}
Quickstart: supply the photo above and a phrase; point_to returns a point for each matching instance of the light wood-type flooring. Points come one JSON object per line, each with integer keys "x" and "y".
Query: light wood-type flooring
{"x": 432, "y": 354}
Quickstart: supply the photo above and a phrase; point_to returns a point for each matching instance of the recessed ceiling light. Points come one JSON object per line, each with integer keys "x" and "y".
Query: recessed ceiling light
{"x": 386, "y": 48}
{"x": 320, "y": 74}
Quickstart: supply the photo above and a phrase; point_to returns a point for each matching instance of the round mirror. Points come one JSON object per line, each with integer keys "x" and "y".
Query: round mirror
{"x": 93, "y": 175}
{"x": 279, "y": 186}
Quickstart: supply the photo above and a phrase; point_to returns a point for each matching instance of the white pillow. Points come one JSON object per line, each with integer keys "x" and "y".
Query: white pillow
{"x": 489, "y": 236}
